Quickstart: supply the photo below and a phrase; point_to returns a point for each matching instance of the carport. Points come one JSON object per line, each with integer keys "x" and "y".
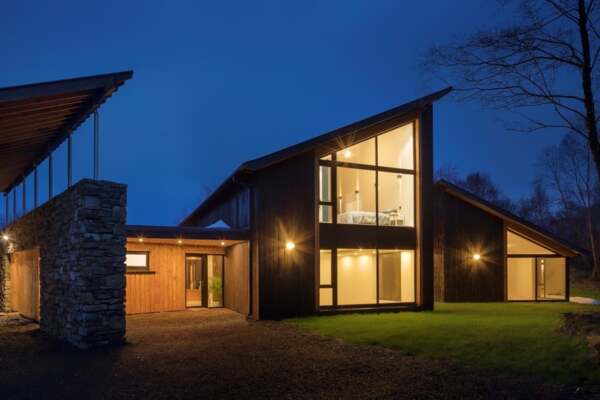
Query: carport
{"x": 61, "y": 255}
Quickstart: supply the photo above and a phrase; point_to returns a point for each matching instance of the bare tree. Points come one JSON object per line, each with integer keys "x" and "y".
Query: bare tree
{"x": 568, "y": 172}
{"x": 538, "y": 207}
{"x": 543, "y": 66}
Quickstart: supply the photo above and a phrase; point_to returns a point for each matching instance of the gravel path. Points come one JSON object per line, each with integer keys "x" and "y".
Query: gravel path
{"x": 218, "y": 354}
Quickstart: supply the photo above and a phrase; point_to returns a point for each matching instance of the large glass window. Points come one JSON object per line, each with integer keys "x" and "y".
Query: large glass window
{"x": 520, "y": 278}
{"x": 396, "y": 276}
{"x": 360, "y": 153}
{"x": 517, "y": 244}
{"x": 325, "y": 281}
{"x": 215, "y": 281}
{"x": 356, "y": 196}
{"x": 371, "y": 182}
{"x": 395, "y": 148}
{"x": 551, "y": 278}
{"x": 396, "y": 199}
{"x": 356, "y": 276}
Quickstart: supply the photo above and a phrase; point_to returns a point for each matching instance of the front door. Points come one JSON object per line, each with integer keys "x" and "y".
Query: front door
{"x": 203, "y": 280}
{"x": 194, "y": 281}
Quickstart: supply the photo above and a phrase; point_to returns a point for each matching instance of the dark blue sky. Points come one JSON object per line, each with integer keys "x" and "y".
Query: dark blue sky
{"x": 217, "y": 83}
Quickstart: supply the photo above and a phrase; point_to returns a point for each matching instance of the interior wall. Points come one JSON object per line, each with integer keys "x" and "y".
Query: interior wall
{"x": 520, "y": 278}
{"x": 237, "y": 276}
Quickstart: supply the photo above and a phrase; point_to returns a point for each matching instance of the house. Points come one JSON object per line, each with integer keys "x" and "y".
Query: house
{"x": 340, "y": 222}
{"x": 484, "y": 253}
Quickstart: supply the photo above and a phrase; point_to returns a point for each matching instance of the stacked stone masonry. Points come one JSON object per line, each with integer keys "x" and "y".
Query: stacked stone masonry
{"x": 81, "y": 236}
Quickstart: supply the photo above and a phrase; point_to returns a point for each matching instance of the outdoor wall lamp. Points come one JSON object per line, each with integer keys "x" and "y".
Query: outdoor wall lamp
{"x": 222, "y": 243}
{"x": 141, "y": 239}
{"x": 179, "y": 241}
{"x": 290, "y": 246}
{"x": 5, "y": 237}
{"x": 476, "y": 256}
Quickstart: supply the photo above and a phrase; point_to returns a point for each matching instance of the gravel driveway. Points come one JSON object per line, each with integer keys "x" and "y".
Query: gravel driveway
{"x": 218, "y": 354}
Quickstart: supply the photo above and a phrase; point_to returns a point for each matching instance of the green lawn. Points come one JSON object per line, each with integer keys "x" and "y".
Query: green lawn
{"x": 508, "y": 339}
{"x": 586, "y": 291}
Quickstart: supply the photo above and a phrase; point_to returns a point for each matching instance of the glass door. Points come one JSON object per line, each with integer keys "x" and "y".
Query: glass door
{"x": 194, "y": 282}
{"x": 214, "y": 280}
{"x": 203, "y": 280}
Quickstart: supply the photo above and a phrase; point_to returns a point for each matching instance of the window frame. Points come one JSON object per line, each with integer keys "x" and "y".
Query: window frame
{"x": 333, "y": 163}
{"x": 378, "y": 303}
{"x": 137, "y": 269}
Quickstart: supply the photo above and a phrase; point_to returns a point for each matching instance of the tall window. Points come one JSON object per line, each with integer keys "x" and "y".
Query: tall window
{"x": 366, "y": 277}
{"x": 533, "y": 271}
{"x": 370, "y": 182}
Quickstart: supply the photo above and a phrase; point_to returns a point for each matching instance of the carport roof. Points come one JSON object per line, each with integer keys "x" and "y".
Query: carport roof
{"x": 181, "y": 232}
{"x": 36, "y": 118}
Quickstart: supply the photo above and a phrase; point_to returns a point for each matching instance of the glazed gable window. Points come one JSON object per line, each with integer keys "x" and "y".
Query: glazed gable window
{"x": 370, "y": 182}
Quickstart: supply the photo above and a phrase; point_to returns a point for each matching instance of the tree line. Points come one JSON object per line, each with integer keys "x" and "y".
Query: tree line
{"x": 564, "y": 198}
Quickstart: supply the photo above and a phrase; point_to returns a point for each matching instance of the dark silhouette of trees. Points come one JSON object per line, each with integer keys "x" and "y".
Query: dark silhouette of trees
{"x": 542, "y": 66}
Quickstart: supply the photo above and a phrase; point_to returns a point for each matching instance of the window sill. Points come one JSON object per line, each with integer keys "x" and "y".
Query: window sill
{"x": 130, "y": 272}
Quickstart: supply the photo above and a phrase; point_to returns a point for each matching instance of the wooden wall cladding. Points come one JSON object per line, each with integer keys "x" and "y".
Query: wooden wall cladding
{"x": 466, "y": 230}
{"x": 163, "y": 289}
{"x": 25, "y": 282}
{"x": 237, "y": 275}
{"x": 286, "y": 211}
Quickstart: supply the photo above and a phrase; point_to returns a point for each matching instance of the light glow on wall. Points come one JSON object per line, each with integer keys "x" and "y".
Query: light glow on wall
{"x": 290, "y": 245}
{"x": 476, "y": 256}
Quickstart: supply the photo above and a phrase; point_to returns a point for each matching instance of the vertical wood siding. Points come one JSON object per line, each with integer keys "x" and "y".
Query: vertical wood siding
{"x": 237, "y": 275}
{"x": 25, "y": 282}
{"x": 465, "y": 230}
{"x": 164, "y": 288}
{"x": 286, "y": 211}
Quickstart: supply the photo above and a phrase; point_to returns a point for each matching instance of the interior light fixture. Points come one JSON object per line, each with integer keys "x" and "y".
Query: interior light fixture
{"x": 476, "y": 256}
{"x": 290, "y": 245}
{"x": 347, "y": 154}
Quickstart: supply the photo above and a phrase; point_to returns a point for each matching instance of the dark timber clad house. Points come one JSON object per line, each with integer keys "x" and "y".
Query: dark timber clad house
{"x": 339, "y": 222}
{"x": 485, "y": 253}
{"x": 345, "y": 221}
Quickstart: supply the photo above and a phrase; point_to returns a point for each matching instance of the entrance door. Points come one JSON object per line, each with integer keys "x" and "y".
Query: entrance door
{"x": 204, "y": 280}
{"x": 194, "y": 281}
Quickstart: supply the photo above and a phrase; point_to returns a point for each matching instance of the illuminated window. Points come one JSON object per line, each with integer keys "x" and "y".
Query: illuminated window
{"x": 396, "y": 276}
{"x": 137, "y": 260}
{"x": 517, "y": 244}
{"x": 356, "y": 276}
{"x": 396, "y": 197}
{"x": 325, "y": 201}
{"x": 356, "y": 196}
{"x": 395, "y": 148}
{"x": 325, "y": 283}
{"x": 360, "y": 153}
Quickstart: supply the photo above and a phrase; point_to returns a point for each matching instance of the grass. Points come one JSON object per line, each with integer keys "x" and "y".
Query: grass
{"x": 509, "y": 339}
{"x": 592, "y": 292}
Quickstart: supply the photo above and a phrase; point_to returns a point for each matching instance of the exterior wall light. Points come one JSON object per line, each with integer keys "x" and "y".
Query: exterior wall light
{"x": 222, "y": 243}
{"x": 179, "y": 241}
{"x": 141, "y": 239}
{"x": 476, "y": 256}
{"x": 5, "y": 237}
{"x": 290, "y": 246}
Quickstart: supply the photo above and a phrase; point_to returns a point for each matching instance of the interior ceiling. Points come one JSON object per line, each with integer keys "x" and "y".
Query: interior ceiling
{"x": 35, "y": 119}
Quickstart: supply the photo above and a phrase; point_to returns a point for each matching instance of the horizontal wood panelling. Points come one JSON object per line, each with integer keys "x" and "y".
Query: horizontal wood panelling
{"x": 25, "y": 282}
{"x": 163, "y": 290}
{"x": 237, "y": 275}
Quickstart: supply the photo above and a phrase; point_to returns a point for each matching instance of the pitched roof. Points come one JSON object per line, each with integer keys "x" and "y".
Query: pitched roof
{"x": 36, "y": 118}
{"x": 255, "y": 165}
{"x": 513, "y": 221}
